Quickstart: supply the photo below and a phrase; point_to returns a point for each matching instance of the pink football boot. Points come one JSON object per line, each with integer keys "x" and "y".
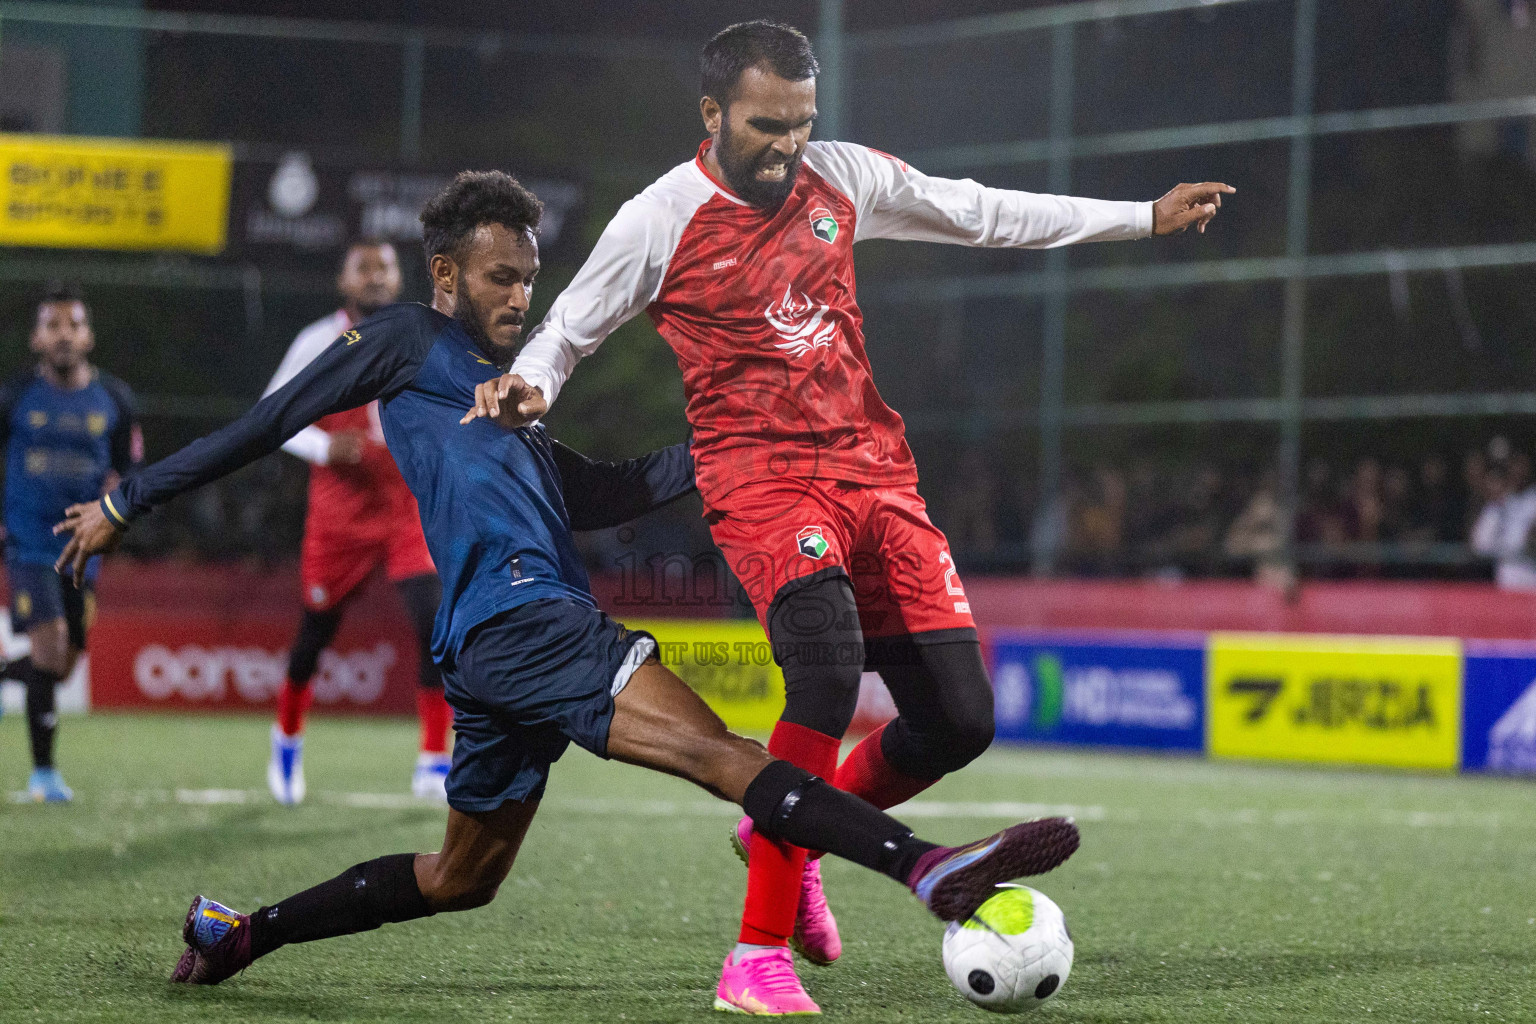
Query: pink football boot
{"x": 815, "y": 936}
{"x": 764, "y": 985}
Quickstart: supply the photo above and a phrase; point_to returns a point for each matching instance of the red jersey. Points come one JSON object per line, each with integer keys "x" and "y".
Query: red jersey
{"x": 363, "y": 500}
{"x": 760, "y": 306}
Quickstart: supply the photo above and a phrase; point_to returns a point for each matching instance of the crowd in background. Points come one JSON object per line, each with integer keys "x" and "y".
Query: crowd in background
{"x": 1440, "y": 516}
{"x": 1368, "y": 517}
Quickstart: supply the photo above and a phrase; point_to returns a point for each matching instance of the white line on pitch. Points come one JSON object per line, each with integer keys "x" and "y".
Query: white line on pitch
{"x": 1010, "y": 810}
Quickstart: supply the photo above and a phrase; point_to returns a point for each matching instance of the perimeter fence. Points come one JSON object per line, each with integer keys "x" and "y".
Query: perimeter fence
{"x": 1315, "y": 368}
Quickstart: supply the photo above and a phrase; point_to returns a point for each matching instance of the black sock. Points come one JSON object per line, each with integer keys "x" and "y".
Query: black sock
{"x": 19, "y": 669}
{"x": 42, "y": 714}
{"x": 789, "y": 803}
{"x": 359, "y": 899}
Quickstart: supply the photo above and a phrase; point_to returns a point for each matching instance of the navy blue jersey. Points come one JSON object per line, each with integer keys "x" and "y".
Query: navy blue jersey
{"x": 60, "y": 446}
{"x": 497, "y": 506}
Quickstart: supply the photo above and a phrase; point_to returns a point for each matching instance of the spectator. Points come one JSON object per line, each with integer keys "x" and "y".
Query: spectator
{"x": 1324, "y": 518}
{"x": 1364, "y": 501}
{"x": 1258, "y": 535}
{"x": 1146, "y": 510}
{"x": 1098, "y": 524}
{"x": 1396, "y": 505}
{"x": 1191, "y": 543}
{"x": 1437, "y": 513}
{"x": 1503, "y": 528}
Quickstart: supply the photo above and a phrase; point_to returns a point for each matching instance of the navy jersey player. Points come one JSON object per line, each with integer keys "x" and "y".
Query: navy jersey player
{"x": 70, "y": 432}
{"x": 529, "y": 663}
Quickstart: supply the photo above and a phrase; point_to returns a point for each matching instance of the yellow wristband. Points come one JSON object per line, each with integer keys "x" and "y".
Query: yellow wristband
{"x": 106, "y": 503}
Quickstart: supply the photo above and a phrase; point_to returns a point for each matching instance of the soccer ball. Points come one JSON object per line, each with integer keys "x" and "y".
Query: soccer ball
{"x": 1013, "y": 954}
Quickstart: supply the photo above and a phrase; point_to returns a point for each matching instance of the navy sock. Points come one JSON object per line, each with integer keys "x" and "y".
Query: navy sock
{"x": 42, "y": 713}
{"x": 789, "y": 803}
{"x": 360, "y": 899}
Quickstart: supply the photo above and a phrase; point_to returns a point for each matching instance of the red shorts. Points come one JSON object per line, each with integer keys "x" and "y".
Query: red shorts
{"x": 333, "y": 563}
{"x": 780, "y": 533}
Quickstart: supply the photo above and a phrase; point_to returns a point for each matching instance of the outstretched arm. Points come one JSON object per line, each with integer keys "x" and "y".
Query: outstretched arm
{"x": 376, "y": 359}
{"x": 599, "y": 495}
{"x": 894, "y": 200}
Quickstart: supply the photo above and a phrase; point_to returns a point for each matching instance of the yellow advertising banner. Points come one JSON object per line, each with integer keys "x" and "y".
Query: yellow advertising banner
{"x": 79, "y": 193}
{"x": 728, "y": 662}
{"x": 1356, "y": 700}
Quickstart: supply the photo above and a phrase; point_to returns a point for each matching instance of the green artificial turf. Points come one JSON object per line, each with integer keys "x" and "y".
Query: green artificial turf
{"x": 1202, "y": 892}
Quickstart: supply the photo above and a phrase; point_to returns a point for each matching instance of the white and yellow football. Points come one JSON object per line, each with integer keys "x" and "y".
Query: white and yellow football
{"x": 1013, "y": 954}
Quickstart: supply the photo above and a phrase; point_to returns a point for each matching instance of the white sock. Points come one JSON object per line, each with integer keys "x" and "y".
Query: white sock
{"x": 746, "y": 949}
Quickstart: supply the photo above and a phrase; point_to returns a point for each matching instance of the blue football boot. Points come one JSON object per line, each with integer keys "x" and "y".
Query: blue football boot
{"x": 46, "y": 786}
{"x": 218, "y": 944}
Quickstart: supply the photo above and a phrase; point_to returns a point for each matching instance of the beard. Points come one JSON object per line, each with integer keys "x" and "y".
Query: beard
{"x": 740, "y": 170}
{"x": 473, "y": 320}
{"x": 63, "y": 363}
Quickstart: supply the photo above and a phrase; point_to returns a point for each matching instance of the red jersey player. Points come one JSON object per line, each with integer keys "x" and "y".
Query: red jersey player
{"x": 743, "y": 258}
{"x": 361, "y": 517}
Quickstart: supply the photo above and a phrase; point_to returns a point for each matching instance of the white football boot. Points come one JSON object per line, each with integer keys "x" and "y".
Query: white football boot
{"x": 429, "y": 779}
{"x": 285, "y": 771}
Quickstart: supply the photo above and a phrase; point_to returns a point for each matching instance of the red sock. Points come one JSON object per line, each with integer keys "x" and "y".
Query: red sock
{"x": 868, "y": 775}
{"x": 774, "y": 869}
{"x": 293, "y": 700}
{"x": 436, "y": 718}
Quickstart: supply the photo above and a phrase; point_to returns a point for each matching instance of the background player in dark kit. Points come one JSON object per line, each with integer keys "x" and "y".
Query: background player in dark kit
{"x": 70, "y": 432}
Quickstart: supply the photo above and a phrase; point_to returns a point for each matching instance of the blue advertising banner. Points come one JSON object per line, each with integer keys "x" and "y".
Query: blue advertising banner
{"x": 1121, "y": 690}
{"x": 1499, "y": 723}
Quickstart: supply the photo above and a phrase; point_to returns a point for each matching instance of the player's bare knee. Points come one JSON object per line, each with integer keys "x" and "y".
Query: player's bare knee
{"x": 54, "y": 657}
{"x": 473, "y": 896}
{"x": 447, "y": 889}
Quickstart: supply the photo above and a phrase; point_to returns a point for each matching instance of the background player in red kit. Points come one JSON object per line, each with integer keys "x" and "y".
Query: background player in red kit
{"x": 361, "y": 517}
{"x": 743, "y": 259}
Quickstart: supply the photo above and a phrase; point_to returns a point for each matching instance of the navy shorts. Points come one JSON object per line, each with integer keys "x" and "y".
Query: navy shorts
{"x": 527, "y": 683}
{"x": 38, "y": 595}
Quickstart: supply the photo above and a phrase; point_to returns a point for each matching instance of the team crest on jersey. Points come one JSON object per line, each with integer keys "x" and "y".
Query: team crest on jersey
{"x": 823, "y": 224}
{"x": 812, "y": 544}
{"x": 352, "y": 337}
{"x": 96, "y": 423}
{"x": 800, "y": 322}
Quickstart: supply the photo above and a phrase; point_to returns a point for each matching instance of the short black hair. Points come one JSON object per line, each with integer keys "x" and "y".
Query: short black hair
{"x": 780, "y": 48}
{"x": 62, "y": 291}
{"x": 471, "y": 199}
{"x": 362, "y": 242}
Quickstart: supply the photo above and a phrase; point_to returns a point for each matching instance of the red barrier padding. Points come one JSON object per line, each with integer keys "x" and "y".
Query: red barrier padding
{"x": 215, "y": 638}
{"x": 1469, "y": 610}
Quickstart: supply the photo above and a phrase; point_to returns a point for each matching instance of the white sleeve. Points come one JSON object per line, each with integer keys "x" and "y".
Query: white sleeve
{"x": 311, "y": 444}
{"x": 621, "y": 277}
{"x": 1485, "y": 538}
{"x": 896, "y": 201}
